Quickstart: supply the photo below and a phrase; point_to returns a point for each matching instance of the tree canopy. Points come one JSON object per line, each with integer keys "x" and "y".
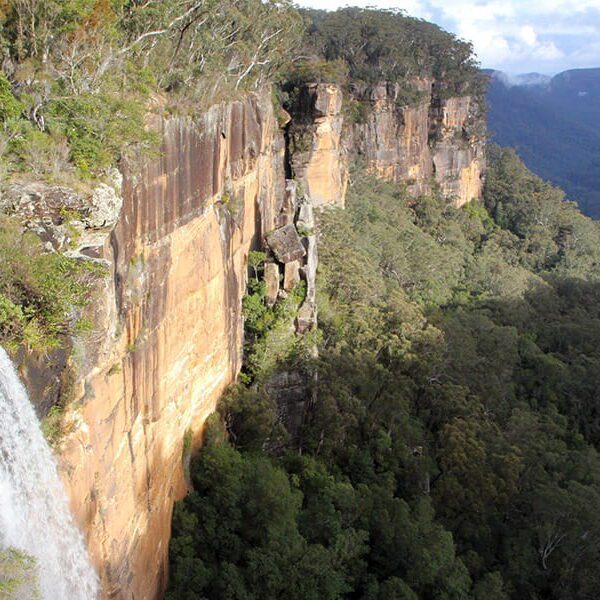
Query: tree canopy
{"x": 452, "y": 451}
{"x": 388, "y": 45}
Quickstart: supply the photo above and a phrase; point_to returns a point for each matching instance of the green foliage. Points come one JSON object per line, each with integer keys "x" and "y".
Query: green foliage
{"x": 269, "y": 337}
{"x": 355, "y": 111}
{"x": 552, "y": 235}
{"x": 251, "y": 418}
{"x": 40, "y": 291}
{"x": 86, "y": 73}
{"x": 316, "y": 71}
{"x": 10, "y": 108}
{"x": 18, "y": 577}
{"x": 387, "y": 45}
{"x": 52, "y": 425}
{"x": 452, "y": 448}
{"x": 256, "y": 261}
{"x": 409, "y": 95}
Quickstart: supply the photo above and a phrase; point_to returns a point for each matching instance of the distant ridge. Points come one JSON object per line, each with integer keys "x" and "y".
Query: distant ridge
{"x": 522, "y": 80}
{"x": 554, "y": 124}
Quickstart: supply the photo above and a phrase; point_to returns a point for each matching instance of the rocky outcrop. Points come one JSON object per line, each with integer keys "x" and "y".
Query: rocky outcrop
{"x": 422, "y": 140}
{"x": 64, "y": 219}
{"x": 315, "y": 137}
{"x": 393, "y": 140}
{"x": 285, "y": 243}
{"x": 271, "y": 283}
{"x": 458, "y": 149}
{"x": 168, "y": 329}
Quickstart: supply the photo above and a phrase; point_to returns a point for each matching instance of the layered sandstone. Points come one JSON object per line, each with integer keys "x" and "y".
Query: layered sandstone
{"x": 458, "y": 152}
{"x": 317, "y": 156}
{"x": 393, "y": 140}
{"x": 427, "y": 141}
{"x": 168, "y": 324}
{"x": 168, "y": 332}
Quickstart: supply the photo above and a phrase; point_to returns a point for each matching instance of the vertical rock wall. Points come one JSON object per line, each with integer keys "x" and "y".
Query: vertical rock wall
{"x": 168, "y": 325}
{"x": 317, "y": 156}
{"x": 432, "y": 141}
{"x": 168, "y": 332}
{"x": 458, "y": 152}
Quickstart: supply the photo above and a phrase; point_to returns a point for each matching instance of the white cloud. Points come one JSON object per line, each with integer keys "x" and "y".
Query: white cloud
{"x": 589, "y": 55}
{"x": 513, "y": 35}
{"x": 528, "y": 35}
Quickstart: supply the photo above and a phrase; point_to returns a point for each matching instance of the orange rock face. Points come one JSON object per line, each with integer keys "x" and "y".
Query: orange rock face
{"x": 421, "y": 143}
{"x": 326, "y": 176}
{"x": 321, "y": 165}
{"x": 426, "y": 142}
{"x": 168, "y": 324}
{"x": 168, "y": 333}
{"x": 459, "y": 160}
{"x": 394, "y": 141}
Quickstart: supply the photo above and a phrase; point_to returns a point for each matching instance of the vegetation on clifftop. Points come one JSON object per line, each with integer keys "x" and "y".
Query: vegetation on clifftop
{"x": 453, "y": 449}
{"x": 79, "y": 76}
{"x": 373, "y": 46}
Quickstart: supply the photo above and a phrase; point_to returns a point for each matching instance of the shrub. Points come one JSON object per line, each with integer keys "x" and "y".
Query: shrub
{"x": 18, "y": 578}
{"x": 317, "y": 71}
{"x": 10, "y": 107}
{"x": 40, "y": 291}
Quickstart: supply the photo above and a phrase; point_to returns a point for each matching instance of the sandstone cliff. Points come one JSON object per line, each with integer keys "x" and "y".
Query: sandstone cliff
{"x": 316, "y": 152}
{"x": 432, "y": 140}
{"x": 175, "y": 237}
{"x": 168, "y": 330}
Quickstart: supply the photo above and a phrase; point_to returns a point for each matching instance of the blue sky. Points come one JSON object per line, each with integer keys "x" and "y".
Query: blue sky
{"x": 516, "y": 36}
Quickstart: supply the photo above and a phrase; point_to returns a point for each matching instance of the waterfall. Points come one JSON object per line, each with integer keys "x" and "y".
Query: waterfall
{"x": 34, "y": 514}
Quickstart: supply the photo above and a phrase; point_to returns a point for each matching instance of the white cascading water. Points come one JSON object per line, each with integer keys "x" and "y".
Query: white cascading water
{"x": 34, "y": 514}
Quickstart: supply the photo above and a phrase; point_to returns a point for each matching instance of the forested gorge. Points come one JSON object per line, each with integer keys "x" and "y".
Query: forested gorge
{"x": 452, "y": 450}
{"x": 80, "y": 81}
{"x": 448, "y": 446}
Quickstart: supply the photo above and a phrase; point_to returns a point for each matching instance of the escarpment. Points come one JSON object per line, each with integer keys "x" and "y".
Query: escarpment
{"x": 163, "y": 237}
{"x": 174, "y": 238}
{"x": 168, "y": 328}
{"x": 426, "y": 141}
{"x": 167, "y": 319}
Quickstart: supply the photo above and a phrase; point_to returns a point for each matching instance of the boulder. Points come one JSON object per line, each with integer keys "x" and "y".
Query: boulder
{"x": 272, "y": 283}
{"x": 60, "y": 216}
{"x": 104, "y": 207}
{"x": 285, "y": 244}
{"x": 291, "y": 275}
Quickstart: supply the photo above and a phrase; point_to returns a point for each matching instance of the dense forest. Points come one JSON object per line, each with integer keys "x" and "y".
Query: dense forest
{"x": 386, "y": 45}
{"x": 451, "y": 451}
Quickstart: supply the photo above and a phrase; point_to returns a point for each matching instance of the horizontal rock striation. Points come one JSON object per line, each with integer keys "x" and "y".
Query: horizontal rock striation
{"x": 423, "y": 141}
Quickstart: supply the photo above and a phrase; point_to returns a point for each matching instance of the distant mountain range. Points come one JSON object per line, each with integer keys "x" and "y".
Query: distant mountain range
{"x": 554, "y": 125}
